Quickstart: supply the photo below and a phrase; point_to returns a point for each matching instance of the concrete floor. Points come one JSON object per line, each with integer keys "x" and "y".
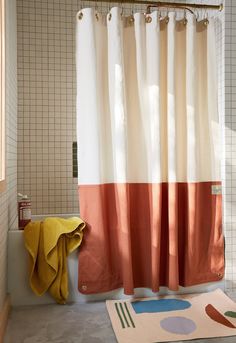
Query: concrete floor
{"x": 75, "y": 323}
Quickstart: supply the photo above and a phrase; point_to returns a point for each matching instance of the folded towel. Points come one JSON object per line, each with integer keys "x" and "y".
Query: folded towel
{"x": 49, "y": 243}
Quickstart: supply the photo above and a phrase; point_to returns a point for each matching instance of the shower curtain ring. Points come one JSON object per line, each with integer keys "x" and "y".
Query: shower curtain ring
{"x": 185, "y": 18}
{"x": 108, "y": 8}
{"x": 109, "y": 15}
{"x": 122, "y": 11}
{"x": 206, "y": 21}
{"x": 96, "y": 11}
{"x": 131, "y": 18}
{"x": 197, "y": 16}
{"x": 148, "y": 18}
{"x": 167, "y": 16}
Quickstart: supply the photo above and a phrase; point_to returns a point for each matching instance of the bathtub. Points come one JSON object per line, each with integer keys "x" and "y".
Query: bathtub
{"x": 18, "y": 276}
{"x": 21, "y": 293}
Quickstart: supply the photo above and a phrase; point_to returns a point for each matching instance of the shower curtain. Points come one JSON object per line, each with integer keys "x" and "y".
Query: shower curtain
{"x": 148, "y": 152}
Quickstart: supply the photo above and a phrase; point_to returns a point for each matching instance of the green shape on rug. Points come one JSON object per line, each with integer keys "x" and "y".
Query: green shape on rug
{"x": 124, "y": 315}
{"x": 131, "y": 320}
{"x": 230, "y": 314}
{"x": 119, "y": 315}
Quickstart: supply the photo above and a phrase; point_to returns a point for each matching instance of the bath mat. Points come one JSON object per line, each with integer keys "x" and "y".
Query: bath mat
{"x": 173, "y": 318}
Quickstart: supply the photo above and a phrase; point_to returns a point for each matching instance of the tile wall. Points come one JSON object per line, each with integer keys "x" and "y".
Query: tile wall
{"x": 230, "y": 145}
{"x": 8, "y": 199}
{"x": 46, "y": 106}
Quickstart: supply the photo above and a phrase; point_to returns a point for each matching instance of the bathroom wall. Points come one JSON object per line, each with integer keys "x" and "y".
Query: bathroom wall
{"x": 230, "y": 147}
{"x": 8, "y": 200}
{"x": 46, "y": 106}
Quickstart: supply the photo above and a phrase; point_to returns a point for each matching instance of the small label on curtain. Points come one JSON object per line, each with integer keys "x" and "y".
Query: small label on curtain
{"x": 216, "y": 189}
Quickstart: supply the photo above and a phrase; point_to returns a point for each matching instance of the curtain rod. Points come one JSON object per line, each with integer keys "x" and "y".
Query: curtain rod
{"x": 164, "y": 4}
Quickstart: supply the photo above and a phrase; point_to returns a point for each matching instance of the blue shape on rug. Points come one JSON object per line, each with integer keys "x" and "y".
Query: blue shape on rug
{"x": 178, "y": 325}
{"x": 161, "y": 305}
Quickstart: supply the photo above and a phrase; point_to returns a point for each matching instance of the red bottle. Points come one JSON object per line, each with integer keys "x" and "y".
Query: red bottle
{"x": 24, "y": 211}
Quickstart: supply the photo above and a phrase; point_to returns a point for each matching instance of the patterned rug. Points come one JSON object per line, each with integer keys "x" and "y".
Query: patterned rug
{"x": 173, "y": 318}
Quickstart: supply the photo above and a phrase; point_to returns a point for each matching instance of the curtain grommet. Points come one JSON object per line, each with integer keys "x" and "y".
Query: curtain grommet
{"x": 148, "y": 19}
{"x": 80, "y": 15}
{"x": 131, "y": 19}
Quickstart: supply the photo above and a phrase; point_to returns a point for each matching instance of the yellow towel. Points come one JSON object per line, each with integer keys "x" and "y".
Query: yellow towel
{"x": 49, "y": 243}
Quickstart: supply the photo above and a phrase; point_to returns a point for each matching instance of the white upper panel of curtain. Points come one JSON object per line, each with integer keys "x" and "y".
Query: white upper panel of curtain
{"x": 146, "y": 99}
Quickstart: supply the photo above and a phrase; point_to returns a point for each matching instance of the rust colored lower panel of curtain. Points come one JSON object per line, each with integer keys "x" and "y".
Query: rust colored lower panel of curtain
{"x": 150, "y": 235}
